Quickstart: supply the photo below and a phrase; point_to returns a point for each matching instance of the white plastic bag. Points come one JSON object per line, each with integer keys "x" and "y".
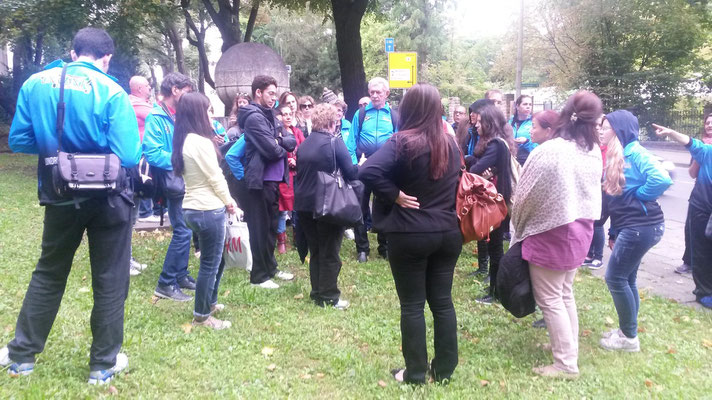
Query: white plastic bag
{"x": 237, "y": 253}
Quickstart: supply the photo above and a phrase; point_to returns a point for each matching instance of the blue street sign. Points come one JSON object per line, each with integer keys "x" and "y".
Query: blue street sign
{"x": 390, "y": 45}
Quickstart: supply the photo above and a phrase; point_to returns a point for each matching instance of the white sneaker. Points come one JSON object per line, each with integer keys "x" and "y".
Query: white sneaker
{"x": 342, "y": 304}
{"x": 150, "y": 218}
{"x": 268, "y": 284}
{"x": 102, "y": 377}
{"x": 613, "y": 332}
{"x": 620, "y": 343}
{"x": 285, "y": 276}
{"x": 5, "y": 357}
{"x": 349, "y": 234}
{"x": 136, "y": 268}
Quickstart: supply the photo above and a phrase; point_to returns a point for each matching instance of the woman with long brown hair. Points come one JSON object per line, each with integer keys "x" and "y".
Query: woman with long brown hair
{"x": 414, "y": 176}
{"x": 493, "y": 154}
{"x": 207, "y": 198}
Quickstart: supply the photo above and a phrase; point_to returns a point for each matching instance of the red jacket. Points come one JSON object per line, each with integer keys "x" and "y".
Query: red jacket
{"x": 286, "y": 192}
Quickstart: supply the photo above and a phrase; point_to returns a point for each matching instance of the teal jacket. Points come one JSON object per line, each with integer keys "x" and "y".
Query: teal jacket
{"x": 158, "y": 138}
{"x": 376, "y": 130}
{"x": 99, "y": 118}
{"x": 524, "y": 131}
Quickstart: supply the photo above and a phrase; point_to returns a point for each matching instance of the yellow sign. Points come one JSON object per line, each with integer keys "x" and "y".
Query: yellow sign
{"x": 402, "y": 70}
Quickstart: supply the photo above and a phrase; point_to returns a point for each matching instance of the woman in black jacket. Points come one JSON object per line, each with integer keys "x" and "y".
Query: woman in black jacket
{"x": 414, "y": 176}
{"x": 321, "y": 151}
{"x": 493, "y": 157}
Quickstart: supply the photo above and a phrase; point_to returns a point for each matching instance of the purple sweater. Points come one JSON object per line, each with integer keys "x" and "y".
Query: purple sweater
{"x": 563, "y": 248}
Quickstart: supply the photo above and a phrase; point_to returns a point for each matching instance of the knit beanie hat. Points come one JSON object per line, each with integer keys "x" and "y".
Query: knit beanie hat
{"x": 329, "y": 96}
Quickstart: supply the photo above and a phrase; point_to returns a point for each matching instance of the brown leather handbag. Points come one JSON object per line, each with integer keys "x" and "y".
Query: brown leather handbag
{"x": 480, "y": 208}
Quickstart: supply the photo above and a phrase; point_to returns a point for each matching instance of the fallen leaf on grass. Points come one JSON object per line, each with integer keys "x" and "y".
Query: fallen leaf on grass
{"x": 83, "y": 290}
{"x": 187, "y": 327}
{"x": 113, "y": 390}
{"x": 319, "y": 375}
{"x": 299, "y": 296}
{"x": 306, "y": 376}
{"x": 267, "y": 351}
{"x": 484, "y": 382}
{"x": 707, "y": 343}
{"x": 272, "y": 367}
{"x": 586, "y": 333}
{"x": 671, "y": 350}
{"x": 609, "y": 321}
{"x": 154, "y": 299}
{"x": 8, "y": 329}
{"x": 502, "y": 384}
{"x": 84, "y": 277}
{"x": 578, "y": 279}
{"x": 382, "y": 384}
{"x": 685, "y": 318}
{"x": 227, "y": 293}
{"x": 649, "y": 383}
{"x": 641, "y": 329}
{"x": 695, "y": 321}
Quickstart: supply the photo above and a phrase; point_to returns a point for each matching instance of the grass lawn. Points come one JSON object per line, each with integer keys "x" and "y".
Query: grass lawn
{"x": 282, "y": 346}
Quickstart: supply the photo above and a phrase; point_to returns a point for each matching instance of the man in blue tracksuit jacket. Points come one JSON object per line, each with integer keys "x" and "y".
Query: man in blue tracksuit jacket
{"x": 158, "y": 148}
{"x": 99, "y": 119}
{"x": 366, "y": 138}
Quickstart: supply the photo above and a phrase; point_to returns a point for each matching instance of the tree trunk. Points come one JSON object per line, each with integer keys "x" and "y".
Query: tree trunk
{"x": 251, "y": 21}
{"x": 227, "y": 20}
{"x": 177, "y": 43}
{"x": 347, "y": 19}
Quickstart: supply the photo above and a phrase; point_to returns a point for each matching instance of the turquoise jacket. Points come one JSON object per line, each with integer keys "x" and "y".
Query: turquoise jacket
{"x": 376, "y": 130}
{"x": 99, "y": 118}
{"x": 234, "y": 158}
{"x": 523, "y": 132}
{"x": 345, "y": 129}
{"x": 158, "y": 138}
{"x": 701, "y": 196}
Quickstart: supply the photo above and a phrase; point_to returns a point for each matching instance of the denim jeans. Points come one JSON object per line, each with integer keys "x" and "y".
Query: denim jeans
{"x": 175, "y": 265}
{"x": 145, "y": 208}
{"x": 210, "y": 228}
{"x": 423, "y": 265}
{"x": 630, "y": 247}
{"x": 282, "y": 226}
{"x": 595, "y": 252}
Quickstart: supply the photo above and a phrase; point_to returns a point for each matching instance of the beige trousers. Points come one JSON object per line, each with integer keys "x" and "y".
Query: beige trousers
{"x": 554, "y": 293}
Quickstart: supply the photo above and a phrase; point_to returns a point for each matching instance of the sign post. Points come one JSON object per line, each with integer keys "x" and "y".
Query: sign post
{"x": 402, "y": 69}
{"x": 390, "y": 45}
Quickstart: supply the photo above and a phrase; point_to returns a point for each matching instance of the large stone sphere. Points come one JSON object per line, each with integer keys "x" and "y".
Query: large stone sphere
{"x": 241, "y": 63}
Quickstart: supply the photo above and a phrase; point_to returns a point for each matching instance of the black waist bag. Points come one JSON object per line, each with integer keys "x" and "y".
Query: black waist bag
{"x": 514, "y": 285}
{"x": 83, "y": 175}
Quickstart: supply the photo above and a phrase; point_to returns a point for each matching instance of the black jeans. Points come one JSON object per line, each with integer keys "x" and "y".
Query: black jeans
{"x": 262, "y": 217}
{"x": 324, "y": 241}
{"x": 495, "y": 248}
{"x": 687, "y": 255}
{"x": 108, "y": 228}
{"x": 482, "y": 254}
{"x": 361, "y": 230}
{"x": 701, "y": 250}
{"x": 423, "y": 265}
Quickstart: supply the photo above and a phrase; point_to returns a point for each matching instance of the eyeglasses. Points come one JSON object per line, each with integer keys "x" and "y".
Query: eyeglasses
{"x": 306, "y": 106}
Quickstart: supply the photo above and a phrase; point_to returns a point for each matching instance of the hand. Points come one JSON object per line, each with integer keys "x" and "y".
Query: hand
{"x": 611, "y": 242}
{"x": 219, "y": 140}
{"x": 662, "y": 131}
{"x": 520, "y": 140}
{"x": 292, "y": 163}
{"x": 406, "y": 201}
{"x": 232, "y": 209}
{"x": 362, "y": 160}
{"x": 487, "y": 174}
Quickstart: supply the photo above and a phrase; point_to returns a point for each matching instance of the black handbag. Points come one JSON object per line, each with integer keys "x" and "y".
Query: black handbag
{"x": 81, "y": 174}
{"x": 143, "y": 184}
{"x": 337, "y": 200}
{"x": 514, "y": 285}
{"x": 168, "y": 185}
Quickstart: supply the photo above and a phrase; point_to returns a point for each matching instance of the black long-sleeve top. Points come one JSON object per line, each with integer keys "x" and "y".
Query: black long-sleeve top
{"x": 314, "y": 155}
{"x": 497, "y": 157}
{"x": 387, "y": 176}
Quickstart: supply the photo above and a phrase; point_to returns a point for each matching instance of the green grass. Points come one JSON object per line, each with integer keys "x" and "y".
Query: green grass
{"x": 323, "y": 353}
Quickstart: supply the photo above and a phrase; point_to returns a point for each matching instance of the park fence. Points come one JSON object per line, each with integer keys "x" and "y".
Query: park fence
{"x": 688, "y": 122}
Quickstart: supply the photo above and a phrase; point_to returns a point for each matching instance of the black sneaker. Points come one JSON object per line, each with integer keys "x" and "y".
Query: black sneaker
{"x": 171, "y": 292}
{"x": 362, "y": 257}
{"x": 187, "y": 283}
{"x": 485, "y": 299}
{"x": 539, "y": 323}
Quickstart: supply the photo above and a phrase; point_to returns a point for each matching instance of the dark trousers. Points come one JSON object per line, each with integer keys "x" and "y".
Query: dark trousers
{"x": 687, "y": 255}
{"x": 701, "y": 250}
{"x": 423, "y": 265}
{"x": 109, "y": 235}
{"x": 598, "y": 241}
{"x": 361, "y": 230}
{"x": 262, "y": 217}
{"x": 324, "y": 240}
{"x": 495, "y": 249}
{"x": 482, "y": 254}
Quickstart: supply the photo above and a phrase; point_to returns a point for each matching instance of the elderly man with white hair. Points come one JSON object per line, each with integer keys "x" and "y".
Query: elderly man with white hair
{"x": 371, "y": 127}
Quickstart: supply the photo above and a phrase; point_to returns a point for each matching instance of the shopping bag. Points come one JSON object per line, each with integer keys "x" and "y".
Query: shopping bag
{"x": 237, "y": 253}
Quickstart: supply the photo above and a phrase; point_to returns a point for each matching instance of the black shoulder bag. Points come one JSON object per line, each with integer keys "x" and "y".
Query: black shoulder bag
{"x": 337, "y": 200}
{"x": 83, "y": 175}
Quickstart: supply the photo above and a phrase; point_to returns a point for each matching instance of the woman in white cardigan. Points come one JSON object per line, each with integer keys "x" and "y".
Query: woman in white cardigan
{"x": 555, "y": 203}
{"x": 207, "y": 197}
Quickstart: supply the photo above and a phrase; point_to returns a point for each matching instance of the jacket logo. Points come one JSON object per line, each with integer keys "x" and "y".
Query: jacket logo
{"x": 71, "y": 82}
